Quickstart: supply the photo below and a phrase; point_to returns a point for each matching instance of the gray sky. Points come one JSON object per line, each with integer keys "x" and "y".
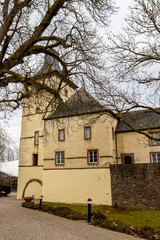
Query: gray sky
{"x": 13, "y": 126}
{"x": 118, "y": 19}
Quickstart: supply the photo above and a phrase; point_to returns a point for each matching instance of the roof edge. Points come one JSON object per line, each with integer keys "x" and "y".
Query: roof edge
{"x": 73, "y": 85}
{"x": 131, "y": 130}
{"x": 80, "y": 114}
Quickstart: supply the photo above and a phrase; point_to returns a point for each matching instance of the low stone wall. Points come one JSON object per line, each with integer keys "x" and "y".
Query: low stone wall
{"x": 136, "y": 185}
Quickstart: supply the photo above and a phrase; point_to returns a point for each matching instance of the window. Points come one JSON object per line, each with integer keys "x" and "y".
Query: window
{"x": 66, "y": 93}
{"x": 36, "y": 138}
{"x": 155, "y": 157}
{"x": 37, "y": 109}
{"x": 127, "y": 160}
{"x": 87, "y": 132}
{"x": 59, "y": 158}
{"x": 92, "y": 156}
{"x": 35, "y": 159}
{"x": 153, "y": 142}
{"x": 61, "y": 135}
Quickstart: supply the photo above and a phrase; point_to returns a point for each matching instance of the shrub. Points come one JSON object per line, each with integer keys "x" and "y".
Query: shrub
{"x": 98, "y": 215}
{"x": 98, "y": 219}
{"x": 58, "y": 211}
{"x": 28, "y": 204}
{"x": 6, "y": 189}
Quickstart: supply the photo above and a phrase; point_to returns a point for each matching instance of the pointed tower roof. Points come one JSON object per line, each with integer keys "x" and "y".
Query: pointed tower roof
{"x": 50, "y": 64}
{"x": 80, "y": 103}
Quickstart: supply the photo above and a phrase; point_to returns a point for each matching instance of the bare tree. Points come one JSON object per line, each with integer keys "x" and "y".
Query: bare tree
{"x": 8, "y": 151}
{"x": 134, "y": 56}
{"x": 30, "y": 28}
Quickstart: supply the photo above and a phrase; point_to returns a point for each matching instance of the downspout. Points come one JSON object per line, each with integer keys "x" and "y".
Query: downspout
{"x": 116, "y": 148}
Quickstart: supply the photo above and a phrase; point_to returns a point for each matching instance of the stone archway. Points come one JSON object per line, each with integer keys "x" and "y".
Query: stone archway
{"x": 30, "y": 181}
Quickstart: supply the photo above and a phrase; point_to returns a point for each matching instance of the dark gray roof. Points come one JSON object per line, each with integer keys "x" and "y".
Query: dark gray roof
{"x": 141, "y": 120}
{"x": 79, "y": 104}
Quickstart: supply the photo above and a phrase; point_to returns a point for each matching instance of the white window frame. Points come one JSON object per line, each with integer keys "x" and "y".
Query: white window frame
{"x": 60, "y": 158}
{"x": 153, "y": 142}
{"x": 87, "y": 132}
{"x": 94, "y": 154}
{"x": 155, "y": 157}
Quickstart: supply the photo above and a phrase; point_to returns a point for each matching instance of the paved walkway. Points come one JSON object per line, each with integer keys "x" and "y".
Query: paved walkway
{"x": 17, "y": 223}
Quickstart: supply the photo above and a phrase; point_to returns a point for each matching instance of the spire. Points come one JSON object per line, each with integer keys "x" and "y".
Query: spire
{"x": 50, "y": 64}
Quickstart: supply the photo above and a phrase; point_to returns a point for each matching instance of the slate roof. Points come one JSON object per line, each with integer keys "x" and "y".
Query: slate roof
{"x": 80, "y": 103}
{"x": 141, "y": 120}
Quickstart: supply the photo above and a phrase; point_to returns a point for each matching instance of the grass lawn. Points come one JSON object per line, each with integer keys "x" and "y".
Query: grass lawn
{"x": 138, "y": 218}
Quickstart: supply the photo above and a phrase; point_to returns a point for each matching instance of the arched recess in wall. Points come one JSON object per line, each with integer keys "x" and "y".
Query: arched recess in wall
{"x": 30, "y": 181}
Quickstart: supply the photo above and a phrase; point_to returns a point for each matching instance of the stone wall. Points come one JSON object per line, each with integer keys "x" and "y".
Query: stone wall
{"x": 136, "y": 185}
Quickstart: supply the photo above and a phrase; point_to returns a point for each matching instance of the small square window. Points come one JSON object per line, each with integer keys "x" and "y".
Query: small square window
{"x": 59, "y": 158}
{"x": 87, "y": 132}
{"x": 36, "y": 138}
{"x": 61, "y": 135}
{"x": 35, "y": 159}
{"x": 92, "y": 156}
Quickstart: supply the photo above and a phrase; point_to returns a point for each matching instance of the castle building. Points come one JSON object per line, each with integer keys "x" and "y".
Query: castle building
{"x": 65, "y": 154}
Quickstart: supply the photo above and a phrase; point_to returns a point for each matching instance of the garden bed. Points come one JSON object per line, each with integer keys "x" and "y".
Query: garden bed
{"x": 102, "y": 216}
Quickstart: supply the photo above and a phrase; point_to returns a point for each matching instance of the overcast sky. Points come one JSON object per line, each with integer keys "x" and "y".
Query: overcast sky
{"x": 118, "y": 19}
{"x": 13, "y": 126}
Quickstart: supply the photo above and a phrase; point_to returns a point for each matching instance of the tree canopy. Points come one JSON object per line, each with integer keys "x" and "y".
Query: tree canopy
{"x": 8, "y": 151}
{"x": 134, "y": 56}
{"x": 67, "y": 30}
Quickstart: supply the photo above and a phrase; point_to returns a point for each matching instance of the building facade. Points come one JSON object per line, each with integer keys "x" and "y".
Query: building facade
{"x": 65, "y": 155}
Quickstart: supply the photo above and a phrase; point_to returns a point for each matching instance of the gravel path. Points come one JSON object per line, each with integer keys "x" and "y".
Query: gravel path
{"x": 18, "y": 223}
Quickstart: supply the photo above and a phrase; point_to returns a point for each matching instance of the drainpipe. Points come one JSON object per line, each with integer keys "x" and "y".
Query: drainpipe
{"x": 116, "y": 148}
